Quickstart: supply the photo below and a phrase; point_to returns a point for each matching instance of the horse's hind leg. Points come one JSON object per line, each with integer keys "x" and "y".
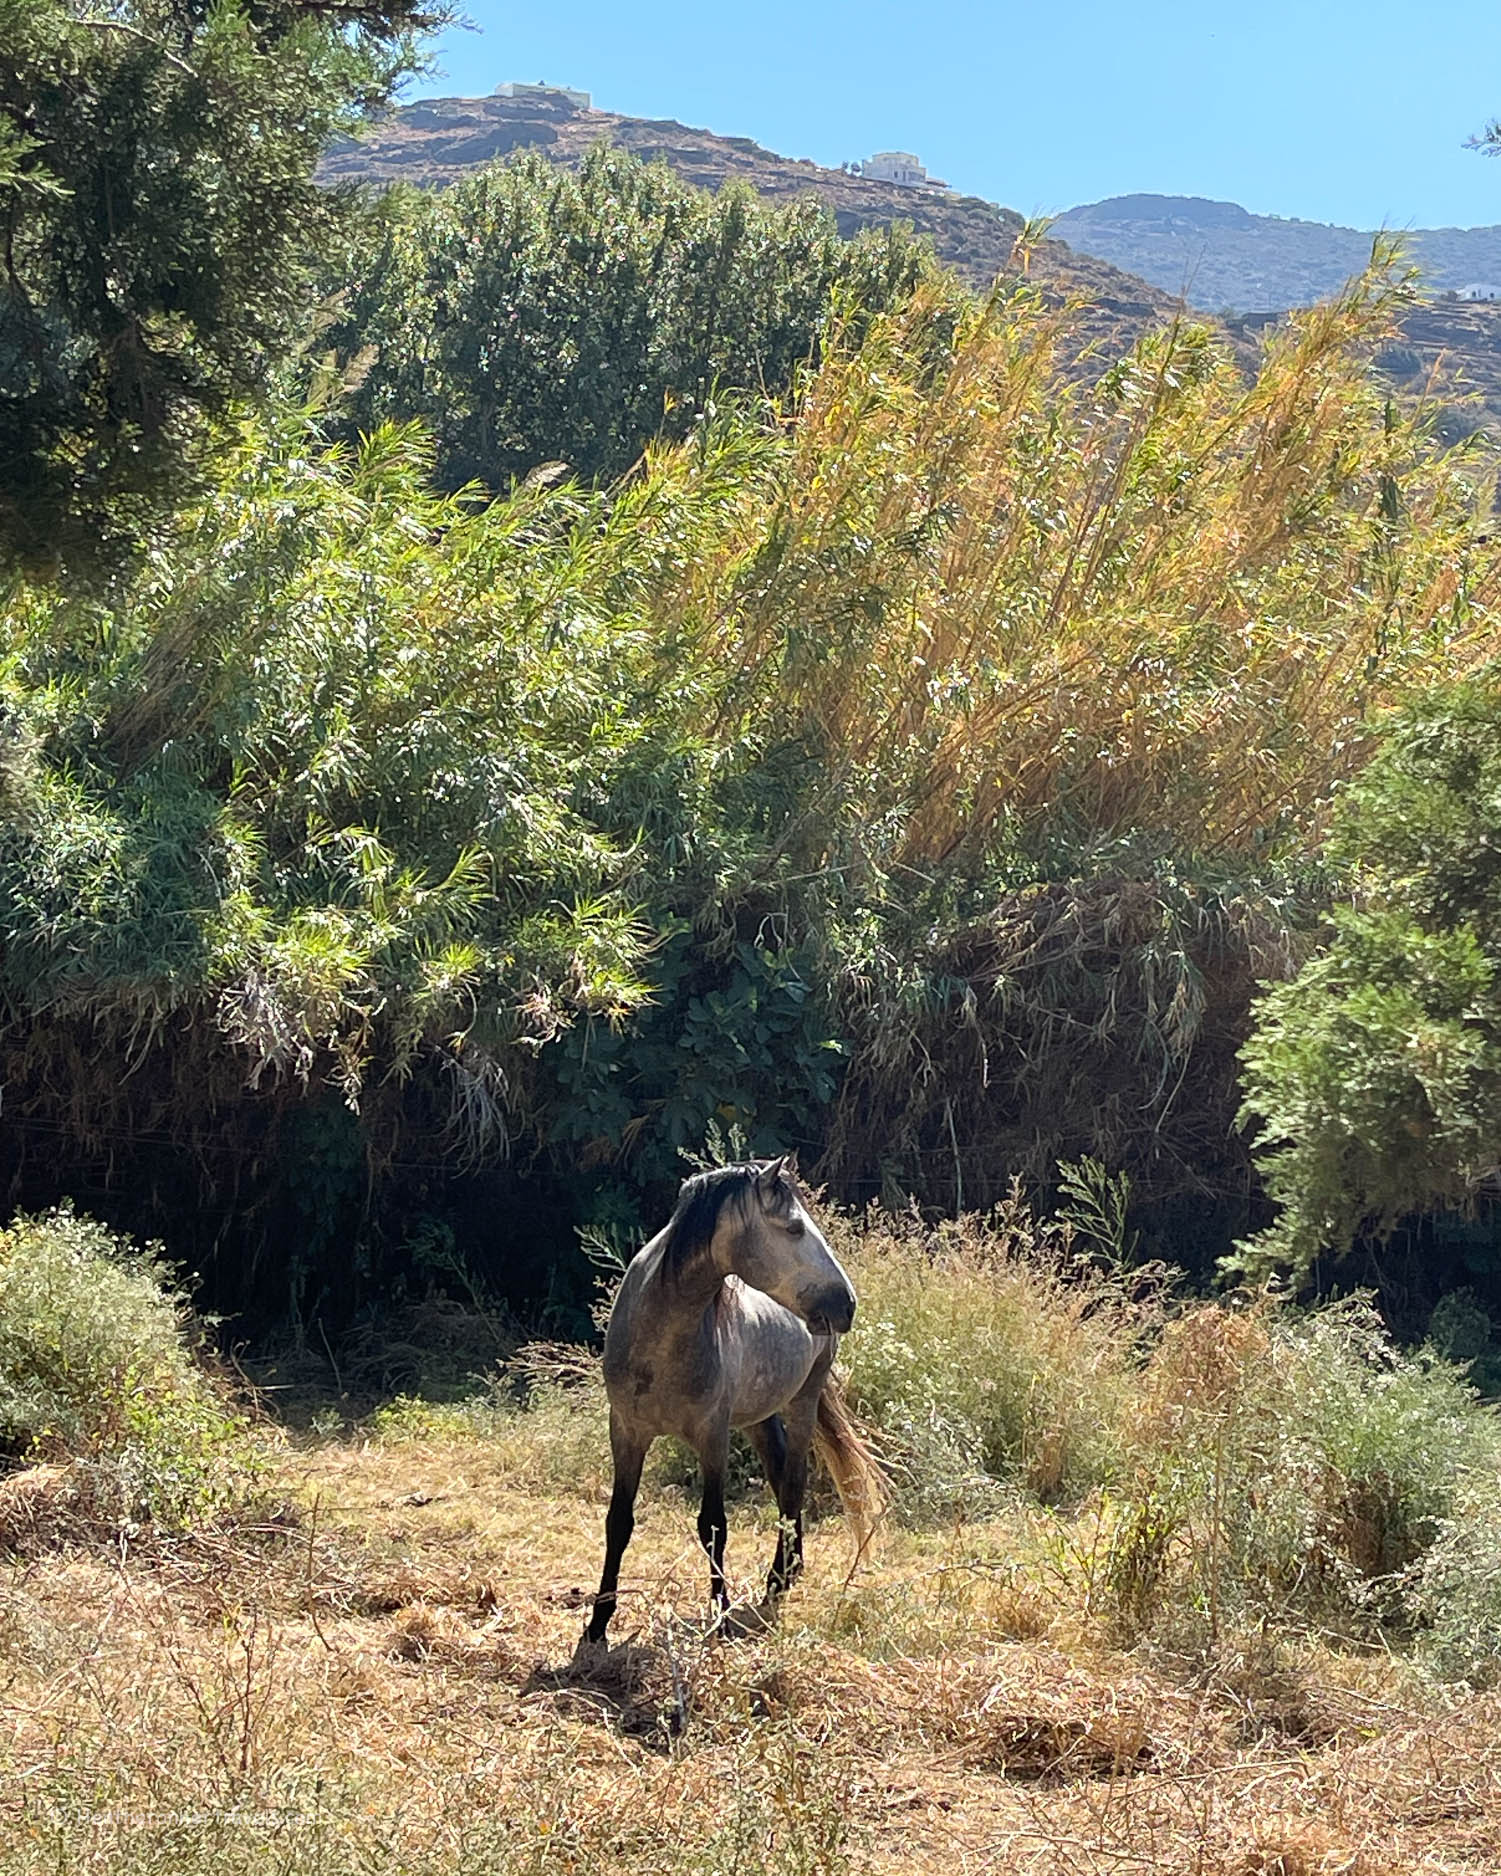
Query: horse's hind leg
{"x": 790, "y": 1446}
{"x": 769, "y": 1437}
{"x": 628, "y": 1450}
{"x": 713, "y": 1525}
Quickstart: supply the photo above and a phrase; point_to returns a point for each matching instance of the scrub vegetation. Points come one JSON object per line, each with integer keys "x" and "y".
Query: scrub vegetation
{"x": 919, "y": 772}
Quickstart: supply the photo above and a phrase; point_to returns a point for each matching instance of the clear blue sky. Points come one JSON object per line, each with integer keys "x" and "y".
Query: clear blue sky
{"x": 1319, "y": 108}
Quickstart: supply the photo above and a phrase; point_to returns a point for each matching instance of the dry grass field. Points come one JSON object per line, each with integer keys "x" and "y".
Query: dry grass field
{"x": 382, "y": 1678}
{"x": 1166, "y": 1585}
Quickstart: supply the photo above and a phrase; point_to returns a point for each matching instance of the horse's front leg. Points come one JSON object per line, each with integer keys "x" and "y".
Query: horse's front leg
{"x": 628, "y": 1450}
{"x": 713, "y": 1526}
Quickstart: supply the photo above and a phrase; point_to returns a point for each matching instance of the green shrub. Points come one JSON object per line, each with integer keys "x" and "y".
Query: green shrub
{"x": 1460, "y": 1327}
{"x": 163, "y": 224}
{"x": 96, "y": 1368}
{"x": 1462, "y": 1330}
{"x": 1455, "y": 1594}
{"x": 532, "y": 315}
{"x": 991, "y": 1358}
{"x": 1282, "y": 1462}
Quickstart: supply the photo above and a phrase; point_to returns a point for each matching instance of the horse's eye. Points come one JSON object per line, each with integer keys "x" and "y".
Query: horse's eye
{"x": 796, "y": 1227}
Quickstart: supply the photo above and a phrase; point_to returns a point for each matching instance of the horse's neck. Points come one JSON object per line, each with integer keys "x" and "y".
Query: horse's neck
{"x": 688, "y": 1293}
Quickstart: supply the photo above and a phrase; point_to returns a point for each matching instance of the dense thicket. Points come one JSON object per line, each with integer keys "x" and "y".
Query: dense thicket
{"x": 531, "y": 315}
{"x": 161, "y": 233}
{"x": 922, "y": 783}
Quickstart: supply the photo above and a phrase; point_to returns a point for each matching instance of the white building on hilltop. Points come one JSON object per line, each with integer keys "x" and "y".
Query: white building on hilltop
{"x": 1481, "y": 290}
{"x": 541, "y": 94}
{"x": 898, "y": 166}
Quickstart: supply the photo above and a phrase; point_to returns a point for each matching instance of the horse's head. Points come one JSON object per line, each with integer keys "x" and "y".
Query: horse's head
{"x": 771, "y": 1242}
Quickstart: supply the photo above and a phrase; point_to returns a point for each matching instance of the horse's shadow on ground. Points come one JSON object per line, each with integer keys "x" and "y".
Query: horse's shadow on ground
{"x": 642, "y": 1688}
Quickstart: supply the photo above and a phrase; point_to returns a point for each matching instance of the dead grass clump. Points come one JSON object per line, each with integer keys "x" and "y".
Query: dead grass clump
{"x": 1029, "y": 1745}
{"x": 1047, "y": 1726}
{"x": 1024, "y": 1712}
{"x": 37, "y": 1511}
{"x": 1272, "y": 1695}
{"x": 440, "y": 1635}
{"x": 437, "y": 1346}
{"x": 1302, "y": 1846}
{"x": 407, "y": 1582}
{"x": 1200, "y": 1366}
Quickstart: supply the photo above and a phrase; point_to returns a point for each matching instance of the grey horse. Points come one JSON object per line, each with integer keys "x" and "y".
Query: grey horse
{"x": 730, "y": 1317}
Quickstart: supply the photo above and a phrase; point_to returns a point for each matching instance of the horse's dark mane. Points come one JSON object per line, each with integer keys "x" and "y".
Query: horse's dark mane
{"x": 695, "y": 1217}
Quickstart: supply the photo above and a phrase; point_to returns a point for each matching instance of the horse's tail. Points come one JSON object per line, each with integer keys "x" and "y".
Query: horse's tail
{"x": 852, "y": 1465}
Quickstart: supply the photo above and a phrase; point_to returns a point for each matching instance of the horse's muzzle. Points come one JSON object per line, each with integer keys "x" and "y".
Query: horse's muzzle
{"x": 832, "y": 1312}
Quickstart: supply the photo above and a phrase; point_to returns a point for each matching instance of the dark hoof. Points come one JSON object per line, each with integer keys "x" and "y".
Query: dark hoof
{"x": 749, "y": 1618}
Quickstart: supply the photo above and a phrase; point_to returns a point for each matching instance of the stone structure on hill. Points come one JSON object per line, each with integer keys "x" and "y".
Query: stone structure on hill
{"x": 899, "y": 166}
{"x": 541, "y": 94}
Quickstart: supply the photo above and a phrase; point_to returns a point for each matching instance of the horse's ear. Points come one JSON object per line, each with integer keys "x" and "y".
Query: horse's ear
{"x": 773, "y": 1173}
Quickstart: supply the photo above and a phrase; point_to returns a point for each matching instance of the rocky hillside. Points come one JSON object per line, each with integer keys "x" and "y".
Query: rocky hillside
{"x": 1250, "y": 268}
{"x": 1447, "y": 352}
{"x": 1221, "y": 257}
{"x": 433, "y": 142}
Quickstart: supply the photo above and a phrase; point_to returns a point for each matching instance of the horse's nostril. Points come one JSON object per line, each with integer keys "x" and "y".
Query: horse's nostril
{"x": 835, "y": 1310}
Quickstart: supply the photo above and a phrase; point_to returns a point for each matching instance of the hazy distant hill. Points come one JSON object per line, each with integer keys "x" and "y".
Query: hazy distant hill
{"x": 1221, "y": 257}
{"x": 437, "y": 140}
